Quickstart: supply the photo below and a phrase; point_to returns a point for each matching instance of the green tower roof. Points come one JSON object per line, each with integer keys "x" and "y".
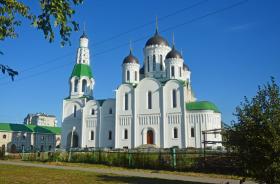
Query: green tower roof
{"x": 202, "y": 105}
{"x": 80, "y": 70}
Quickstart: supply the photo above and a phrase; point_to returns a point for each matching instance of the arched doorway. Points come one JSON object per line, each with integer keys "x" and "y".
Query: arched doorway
{"x": 75, "y": 141}
{"x": 13, "y": 148}
{"x": 150, "y": 137}
{"x": 3, "y": 149}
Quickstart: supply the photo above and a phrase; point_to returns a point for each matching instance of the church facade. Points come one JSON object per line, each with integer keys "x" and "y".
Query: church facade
{"x": 153, "y": 105}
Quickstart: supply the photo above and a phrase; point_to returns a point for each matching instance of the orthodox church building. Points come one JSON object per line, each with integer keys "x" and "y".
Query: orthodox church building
{"x": 153, "y": 105}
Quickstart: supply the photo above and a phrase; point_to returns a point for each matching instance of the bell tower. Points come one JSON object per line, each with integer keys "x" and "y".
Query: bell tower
{"x": 81, "y": 79}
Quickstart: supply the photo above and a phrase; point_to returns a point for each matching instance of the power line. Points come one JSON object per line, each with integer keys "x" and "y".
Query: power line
{"x": 115, "y": 36}
{"x": 147, "y": 36}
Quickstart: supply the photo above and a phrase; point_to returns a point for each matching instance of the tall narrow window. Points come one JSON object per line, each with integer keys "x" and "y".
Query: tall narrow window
{"x": 154, "y": 62}
{"x": 76, "y": 85}
{"x": 148, "y": 64}
{"x": 175, "y": 133}
{"x": 172, "y": 71}
{"x": 174, "y": 98}
{"x": 180, "y": 71}
{"x": 125, "y": 134}
{"x": 92, "y": 112}
{"x": 92, "y": 135}
{"x": 161, "y": 63}
{"x": 192, "y": 132}
{"x": 149, "y": 100}
{"x": 110, "y": 135}
{"x": 75, "y": 111}
{"x": 135, "y": 75}
{"x": 127, "y": 75}
{"x": 126, "y": 101}
{"x": 84, "y": 85}
{"x": 110, "y": 111}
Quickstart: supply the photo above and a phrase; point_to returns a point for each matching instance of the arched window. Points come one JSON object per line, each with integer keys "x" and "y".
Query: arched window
{"x": 161, "y": 63}
{"x": 148, "y": 63}
{"x": 154, "y": 62}
{"x": 110, "y": 135}
{"x": 180, "y": 71}
{"x": 149, "y": 100}
{"x": 126, "y": 101}
{"x": 125, "y": 136}
{"x": 127, "y": 75}
{"x": 75, "y": 111}
{"x": 4, "y": 136}
{"x": 92, "y": 111}
{"x": 192, "y": 131}
{"x": 172, "y": 71}
{"x": 84, "y": 85}
{"x": 135, "y": 75}
{"x": 92, "y": 135}
{"x": 175, "y": 133}
{"x": 110, "y": 111}
{"x": 76, "y": 85}
{"x": 174, "y": 98}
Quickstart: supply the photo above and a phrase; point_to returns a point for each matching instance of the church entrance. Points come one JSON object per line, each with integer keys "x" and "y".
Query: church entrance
{"x": 75, "y": 141}
{"x": 150, "y": 137}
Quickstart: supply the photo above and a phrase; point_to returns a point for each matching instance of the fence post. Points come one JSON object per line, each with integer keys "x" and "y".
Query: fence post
{"x": 173, "y": 152}
{"x": 129, "y": 158}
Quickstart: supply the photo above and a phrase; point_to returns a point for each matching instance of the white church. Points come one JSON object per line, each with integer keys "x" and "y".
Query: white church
{"x": 154, "y": 104}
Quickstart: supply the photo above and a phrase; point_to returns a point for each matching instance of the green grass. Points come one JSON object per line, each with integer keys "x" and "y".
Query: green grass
{"x": 30, "y": 175}
{"x": 101, "y": 166}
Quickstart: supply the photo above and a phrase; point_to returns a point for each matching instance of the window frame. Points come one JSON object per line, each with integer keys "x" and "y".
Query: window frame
{"x": 174, "y": 98}
{"x": 175, "y": 133}
{"x": 149, "y": 100}
{"x": 192, "y": 132}
{"x": 126, "y": 98}
{"x": 172, "y": 71}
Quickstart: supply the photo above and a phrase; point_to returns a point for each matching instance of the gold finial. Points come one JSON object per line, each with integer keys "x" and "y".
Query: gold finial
{"x": 84, "y": 29}
{"x": 156, "y": 25}
{"x": 130, "y": 46}
{"x": 173, "y": 41}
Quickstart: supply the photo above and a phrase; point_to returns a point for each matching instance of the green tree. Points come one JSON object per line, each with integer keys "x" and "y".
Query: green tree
{"x": 50, "y": 14}
{"x": 255, "y": 137}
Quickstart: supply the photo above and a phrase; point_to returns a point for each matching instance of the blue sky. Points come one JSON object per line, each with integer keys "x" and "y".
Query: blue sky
{"x": 229, "y": 53}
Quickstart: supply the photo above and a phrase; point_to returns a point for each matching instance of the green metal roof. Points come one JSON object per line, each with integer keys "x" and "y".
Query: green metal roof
{"x": 29, "y": 128}
{"x": 80, "y": 70}
{"x": 201, "y": 105}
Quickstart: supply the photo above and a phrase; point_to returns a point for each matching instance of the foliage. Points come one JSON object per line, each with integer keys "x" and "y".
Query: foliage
{"x": 217, "y": 162}
{"x": 12, "y": 73}
{"x": 49, "y": 15}
{"x": 256, "y": 135}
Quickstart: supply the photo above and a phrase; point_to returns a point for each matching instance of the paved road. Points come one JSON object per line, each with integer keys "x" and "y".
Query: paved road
{"x": 130, "y": 173}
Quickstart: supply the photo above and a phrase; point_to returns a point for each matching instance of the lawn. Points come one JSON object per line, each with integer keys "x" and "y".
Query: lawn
{"x": 30, "y": 175}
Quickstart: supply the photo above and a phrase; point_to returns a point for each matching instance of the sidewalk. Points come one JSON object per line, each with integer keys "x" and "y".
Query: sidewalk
{"x": 130, "y": 173}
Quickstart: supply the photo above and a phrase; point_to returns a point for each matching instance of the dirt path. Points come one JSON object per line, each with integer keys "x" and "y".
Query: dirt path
{"x": 131, "y": 173}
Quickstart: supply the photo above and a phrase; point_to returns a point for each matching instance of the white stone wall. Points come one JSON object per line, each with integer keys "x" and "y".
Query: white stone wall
{"x": 132, "y": 68}
{"x": 69, "y": 120}
{"x": 29, "y": 141}
{"x": 156, "y": 50}
{"x": 200, "y": 121}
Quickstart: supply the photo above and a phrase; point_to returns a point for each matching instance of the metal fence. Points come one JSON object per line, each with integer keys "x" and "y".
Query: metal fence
{"x": 158, "y": 159}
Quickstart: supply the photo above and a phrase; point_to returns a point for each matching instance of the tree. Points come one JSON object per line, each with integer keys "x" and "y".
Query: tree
{"x": 255, "y": 137}
{"x": 51, "y": 14}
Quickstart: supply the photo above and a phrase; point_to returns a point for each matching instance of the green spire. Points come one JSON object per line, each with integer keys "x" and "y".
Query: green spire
{"x": 80, "y": 70}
